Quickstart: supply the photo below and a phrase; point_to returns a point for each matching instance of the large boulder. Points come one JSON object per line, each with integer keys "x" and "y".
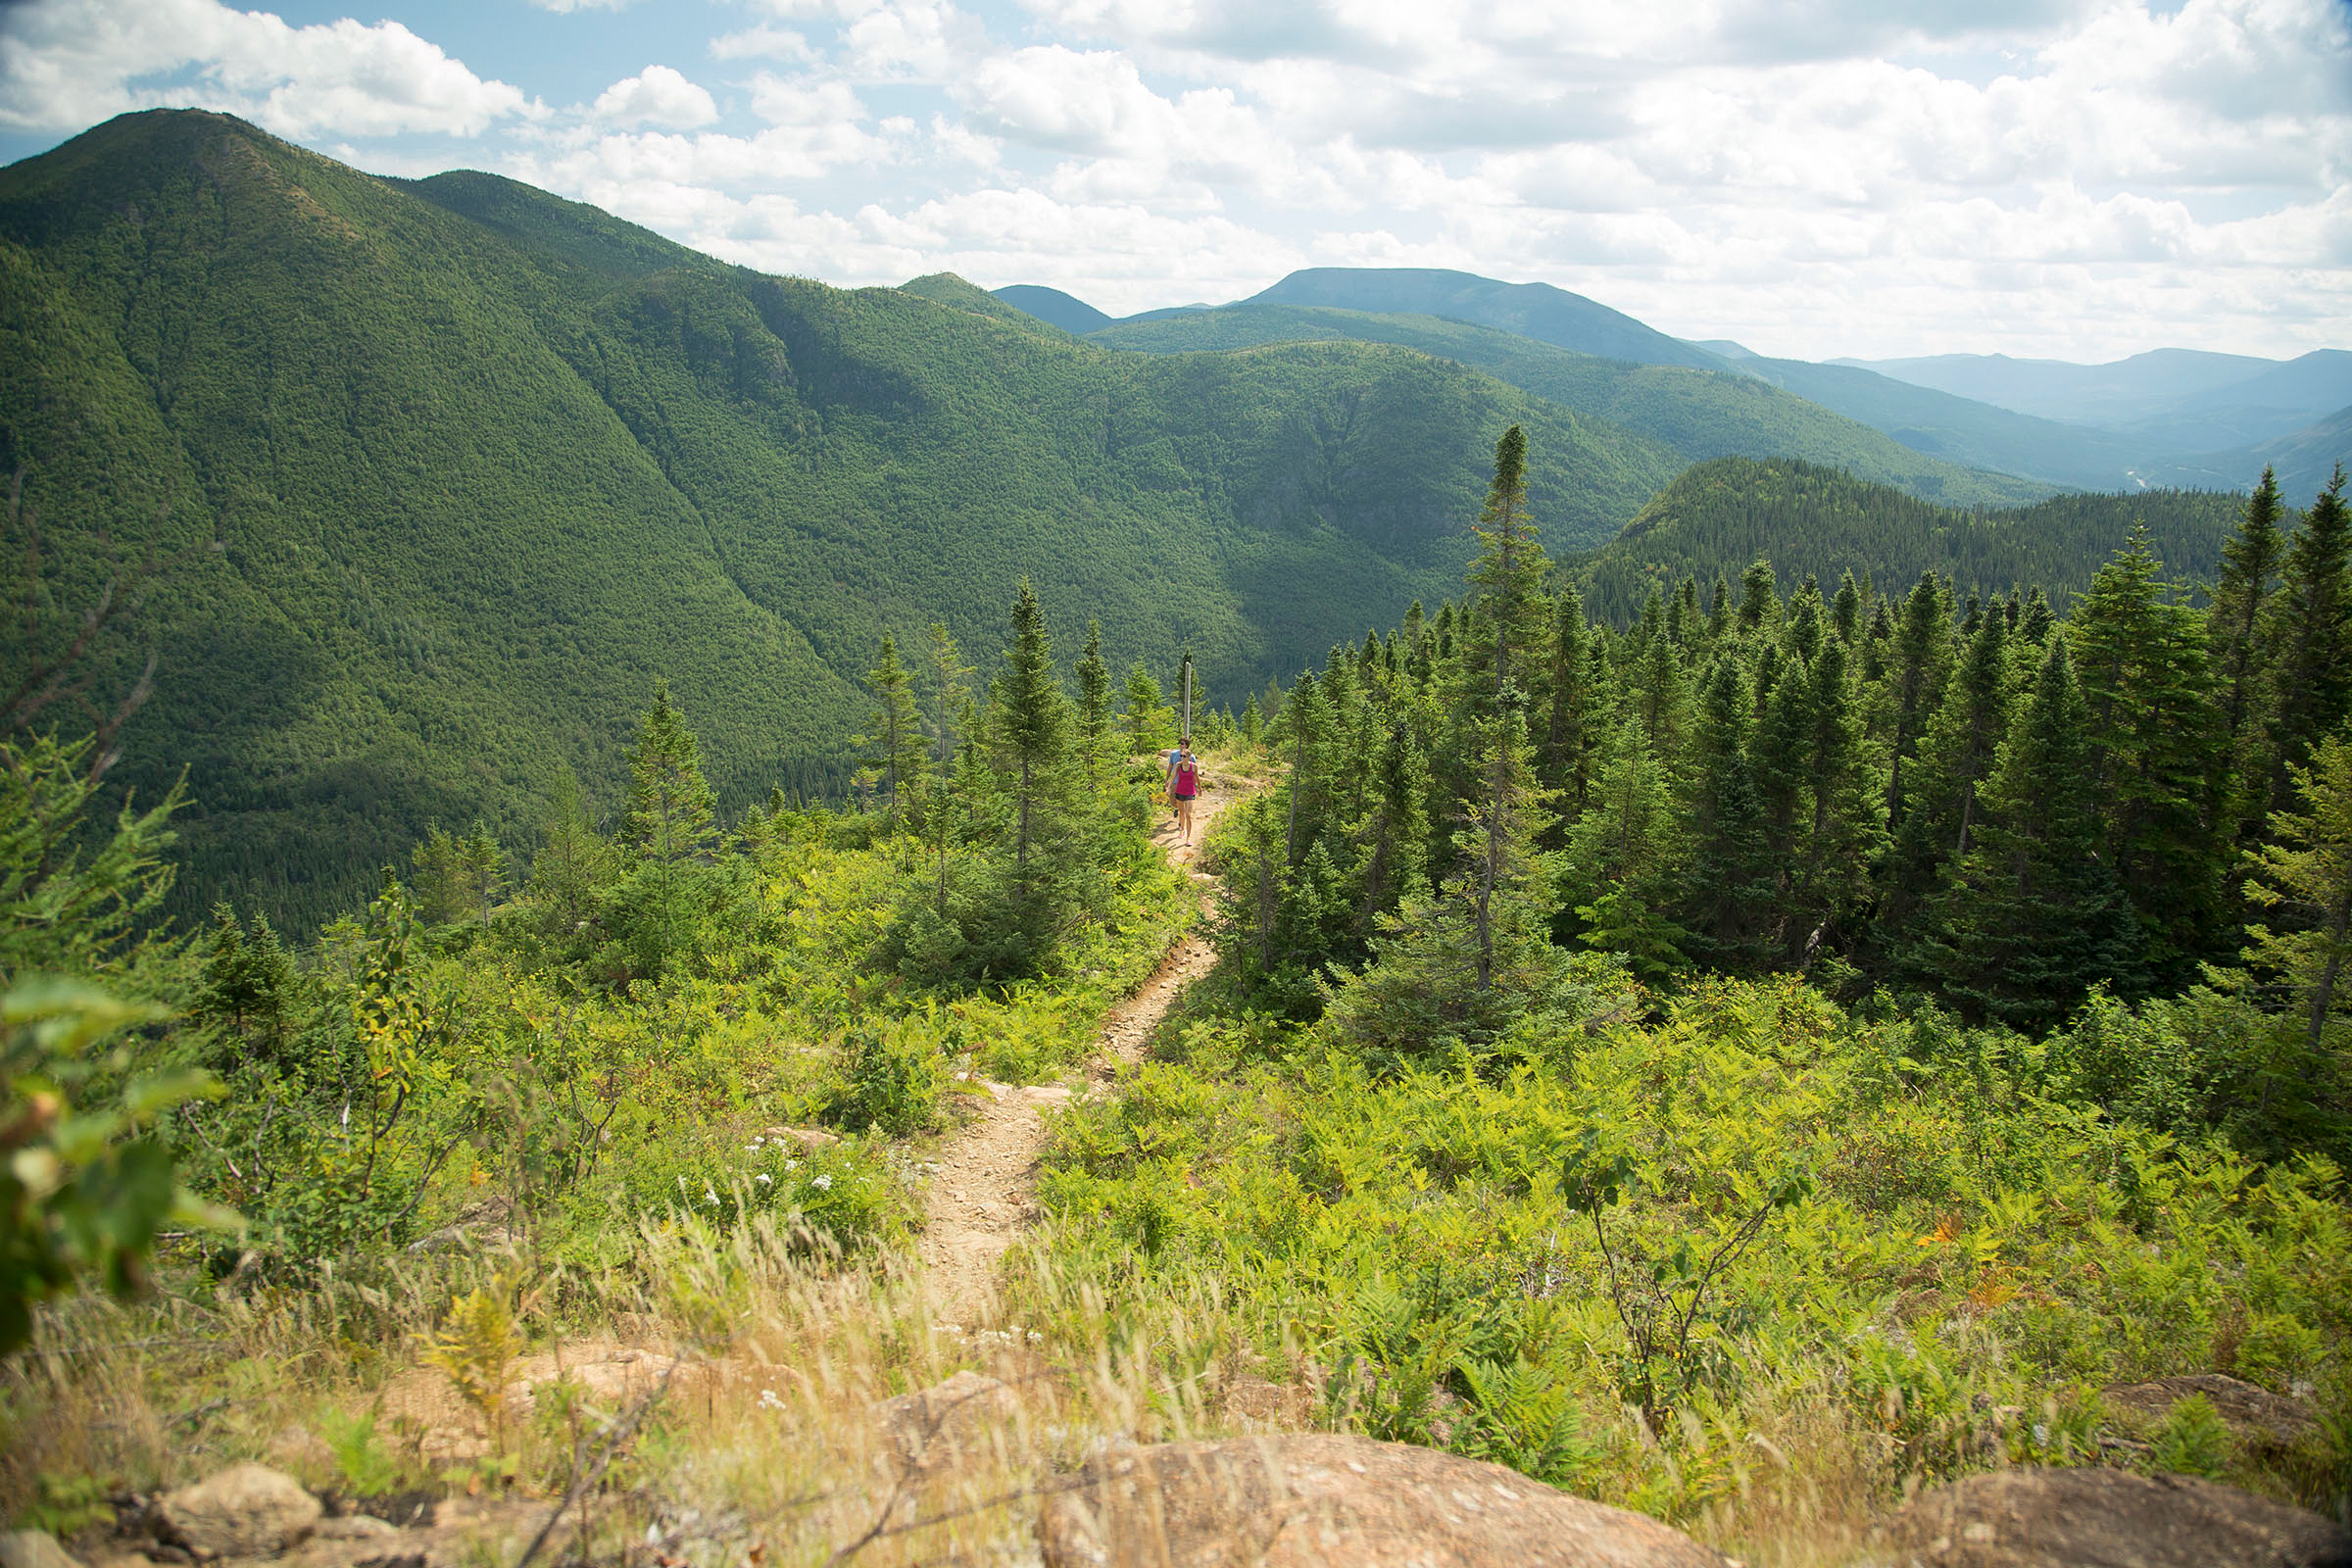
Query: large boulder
{"x": 34, "y": 1549}
{"x": 1334, "y": 1501}
{"x": 2102, "y": 1519}
{"x": 2270, "y": 1423}
{"x": 950, "y": 1423}
{"x": 246, "y": 1511}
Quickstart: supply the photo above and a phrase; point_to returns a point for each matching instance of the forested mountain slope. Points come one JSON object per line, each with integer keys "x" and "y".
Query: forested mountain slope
{"x": 2303, "y": 459}
{"x": 1700, "y": 412}
{"x": 1719, "y": 517}
{"x": 1961, "y": 429}
{"x": 451, "y": 472}
{"x": 1536, "y": 310}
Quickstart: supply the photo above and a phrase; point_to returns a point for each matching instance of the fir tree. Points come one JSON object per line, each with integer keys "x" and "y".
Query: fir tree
{"x": 896, "y": 737}
{"x": 1956, "y": 755}
{"x": 1922, "y": 663}
{"x": 1094, "y": 702}
{"x": 669, "y": 824}
{"x": 1149, "y": 722}
{"x": 2034, "y": 917}
{"x": 669, "y": 805}
{"x": 2249, "y": 568}
{"x": 2306, "y": 872}
{"x": 1031, "y": 717}
{"x": 950, "y": 713}
{"x": 2311, "y": 639}
{"x": 2153, "y": 730}
{"x": 1624, "y": 854}
{"x": 572, "y": 861}
{"x": 1510, "y": 569}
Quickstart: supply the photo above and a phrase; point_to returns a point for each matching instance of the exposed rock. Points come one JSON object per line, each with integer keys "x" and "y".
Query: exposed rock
{"x": 460, "y": 1533}
{"x": 34, "y": 1549}
{"x": 949, "y": 1423}
{"x": 805, "y": 1137}
{"x": 2102, "y": 1519}
{"x": 607, "y": 1375}
{"x": 1337, "y": 1502}
{"x": 248, "y": 1511}
{"x": 2270, "y": 1422}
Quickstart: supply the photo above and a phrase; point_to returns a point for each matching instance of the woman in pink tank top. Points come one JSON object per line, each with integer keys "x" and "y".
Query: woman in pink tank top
{"x": 1184, "y": 782}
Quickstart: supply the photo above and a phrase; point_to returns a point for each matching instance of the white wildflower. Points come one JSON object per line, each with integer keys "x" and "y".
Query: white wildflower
{"x": 710, "y": 1196}
{"x": 764, "y": 1179}
{"x": 768, "y": 1400}
{"x": 822, "y": 1184}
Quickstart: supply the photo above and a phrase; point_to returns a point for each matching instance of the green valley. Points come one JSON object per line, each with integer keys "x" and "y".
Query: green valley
{"x": 446, "y": 474}
{"x": 1700, "y": 412}
{"x": 1718, "y": 516}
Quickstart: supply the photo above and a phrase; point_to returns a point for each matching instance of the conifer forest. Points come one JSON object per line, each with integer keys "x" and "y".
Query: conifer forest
{"x": 1759, "y": 1016}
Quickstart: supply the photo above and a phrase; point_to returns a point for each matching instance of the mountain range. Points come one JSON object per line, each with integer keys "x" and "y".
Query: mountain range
{"x": 2165, "y": 419}
{"x": 448, "y": 473}
{"x": 445, "y": 476}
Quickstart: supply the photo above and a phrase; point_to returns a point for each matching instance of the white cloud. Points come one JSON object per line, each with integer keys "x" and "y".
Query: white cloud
{"x": 762, "y": 42}
{"x": 565, "y": 7}
{"x": 66, "y": 63}
{"x": 1808, "y": 176}
{"x": 655, "y": 96}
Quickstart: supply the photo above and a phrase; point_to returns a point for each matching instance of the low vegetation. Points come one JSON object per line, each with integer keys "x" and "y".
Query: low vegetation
{"x": 1510, "y": 1122}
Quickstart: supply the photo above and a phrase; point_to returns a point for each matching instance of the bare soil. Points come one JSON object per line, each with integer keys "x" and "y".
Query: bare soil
{"x": 984, "y": 1194}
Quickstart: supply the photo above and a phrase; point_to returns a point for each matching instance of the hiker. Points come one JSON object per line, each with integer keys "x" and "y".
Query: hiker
{"x": 1184, "y": 782}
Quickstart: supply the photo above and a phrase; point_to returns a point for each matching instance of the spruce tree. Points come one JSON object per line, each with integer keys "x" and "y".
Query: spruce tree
{"x": 572, "y": 861}
{"x": 2250, "y": 562}
{"x": 1094, "y": 703}
{"x": 1845, "y": 833}
{"x": 1624, "y": 855}
{"x": 1733, "y": 901}
{"x": 1922, "y": 663}
{"x": 2153, "y": 729}
{"x": 1759, "y": 598}
{"x": 950, "y": 710}
{"x": 2033, "y": 917}
{"x": 669, "y": 805}
{"x": 669, "y": 823}
{"x": 1511, "y": 571}
{"x": 2306, "y": 872}
{"x": 895, "y": 737}
{"x": 2311, "y": 638}
{"x": 1956, "y": 755}
{"x": 1032, "y": 720}
{"x": 1150, "y": 723}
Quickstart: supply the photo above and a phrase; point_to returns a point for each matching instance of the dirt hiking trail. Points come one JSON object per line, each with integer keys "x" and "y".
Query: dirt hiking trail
{"x": 984, "y": 1194}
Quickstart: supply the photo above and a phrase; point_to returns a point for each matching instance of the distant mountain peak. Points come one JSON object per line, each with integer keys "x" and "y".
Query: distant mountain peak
{"x": 1540, "y": 311}
{"x": 1052, "y": 307}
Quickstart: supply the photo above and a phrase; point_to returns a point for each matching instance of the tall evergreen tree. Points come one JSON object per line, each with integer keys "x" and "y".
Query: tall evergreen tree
{"x": 1094, "y": 703}
{"x": 951, "y": 711}
{"x": 2153, "y": 730}
{"x": 1922, "y": 663}
{"x": 2033, "y": 917}
{"x": 2306, "y": 872}
{"x": 670, "y": 808}
{"x": 1149, "y": 722}
{"x": 1956, "y": 755}
{"x": 895, "y": 737}
{"x": 1511, "y": 571}
{"x": 1032, "y": 720}
{"x": 2311, "y": 638}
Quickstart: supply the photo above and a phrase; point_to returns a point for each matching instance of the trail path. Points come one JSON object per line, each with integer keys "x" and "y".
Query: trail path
{"x": 984, "y": 1193}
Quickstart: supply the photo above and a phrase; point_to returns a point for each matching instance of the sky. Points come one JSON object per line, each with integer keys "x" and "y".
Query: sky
{"x": 2058, "y": 178}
